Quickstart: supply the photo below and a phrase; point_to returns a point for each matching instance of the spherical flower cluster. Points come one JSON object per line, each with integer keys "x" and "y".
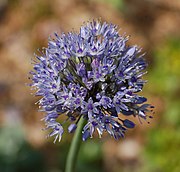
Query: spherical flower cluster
{"x": 94, "y": 75}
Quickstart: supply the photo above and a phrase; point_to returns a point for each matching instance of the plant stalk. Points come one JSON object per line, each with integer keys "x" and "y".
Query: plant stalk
{"x": 74, "y": 147}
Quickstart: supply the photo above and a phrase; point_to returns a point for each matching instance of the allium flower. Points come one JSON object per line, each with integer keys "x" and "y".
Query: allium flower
{"x": 93, "y": 74}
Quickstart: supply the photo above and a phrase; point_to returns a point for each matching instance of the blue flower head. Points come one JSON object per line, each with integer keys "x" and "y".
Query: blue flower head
{"x": 92, "y": 74}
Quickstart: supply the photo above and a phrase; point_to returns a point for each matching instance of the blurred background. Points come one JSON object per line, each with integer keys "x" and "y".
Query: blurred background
{"x": 26, "y": 25}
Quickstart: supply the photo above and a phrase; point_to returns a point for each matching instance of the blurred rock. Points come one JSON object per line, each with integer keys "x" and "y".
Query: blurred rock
{"x": 35, "y": 135}
{"x": 166, "y": 24}
{"x": 42, "y": 30}
{"x": 110, "y": 158}
{"x": 128, "y": 150}
{"x": 12, "y": 116}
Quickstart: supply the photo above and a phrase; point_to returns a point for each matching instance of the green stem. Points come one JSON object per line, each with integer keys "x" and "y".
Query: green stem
{"x": 74, "y": 148}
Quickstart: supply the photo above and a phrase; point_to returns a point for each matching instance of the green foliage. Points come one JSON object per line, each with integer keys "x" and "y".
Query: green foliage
{"x": 16, "y": 155}
{"x": 166, "y": 71}
{"x": 119, "y": 4}
{"x": 90, "y": 156}
{"x": 162, "y": 149}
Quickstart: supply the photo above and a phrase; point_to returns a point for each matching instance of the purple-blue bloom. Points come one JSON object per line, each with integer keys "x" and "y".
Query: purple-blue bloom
{"x": 92, "y": 74}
